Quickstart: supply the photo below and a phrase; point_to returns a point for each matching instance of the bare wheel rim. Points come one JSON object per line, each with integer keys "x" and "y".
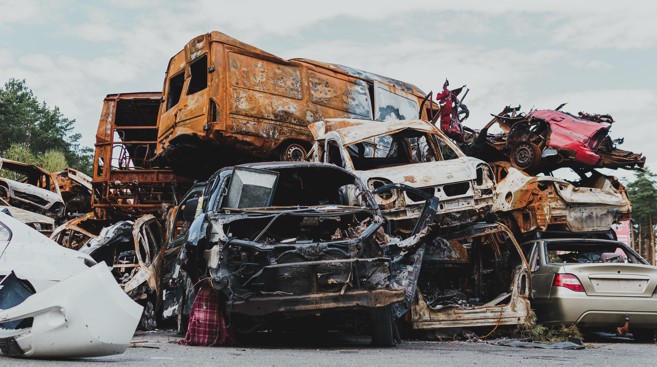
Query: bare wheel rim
{"x": 294, "y": 152}
{"x": 524, "y": 155}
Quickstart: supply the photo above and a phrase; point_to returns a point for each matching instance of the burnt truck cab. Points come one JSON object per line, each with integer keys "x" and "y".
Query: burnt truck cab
{"x": 289, "y": 241}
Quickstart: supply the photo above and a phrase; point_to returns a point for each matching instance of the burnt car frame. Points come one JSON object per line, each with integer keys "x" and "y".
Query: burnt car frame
{"x": 542, "y": 140}
{"x": 475, "y": 278}
{"x": 32, "y": 188}
{"x": 297, "y": 250}
{"x": 528, "y": 204}
{"x": 133, "y": 250}
{"x": 410, "y": 152}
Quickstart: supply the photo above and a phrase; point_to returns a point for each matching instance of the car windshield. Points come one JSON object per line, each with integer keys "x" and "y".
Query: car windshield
{"x": 584, "y": 253}
{"x": 404, "y": 147}
{"x": 304, "y": 186}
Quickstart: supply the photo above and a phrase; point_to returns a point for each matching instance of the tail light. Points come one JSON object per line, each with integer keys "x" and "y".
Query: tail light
{"x": 568, "y": 281}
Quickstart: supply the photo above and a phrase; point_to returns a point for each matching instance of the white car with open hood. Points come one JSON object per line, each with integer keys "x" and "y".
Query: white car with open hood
{"x": 413, "y": 153}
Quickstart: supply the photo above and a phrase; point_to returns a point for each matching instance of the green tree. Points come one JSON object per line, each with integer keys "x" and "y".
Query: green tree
{"x": 20, "y": 153}
{"x": 53, "y": 161}
{"x": 643, "y": 195}
{"x": 27, "y": 121}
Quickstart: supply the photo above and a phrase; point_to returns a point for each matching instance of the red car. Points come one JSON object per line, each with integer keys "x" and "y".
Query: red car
{"x": 542, "y": 140}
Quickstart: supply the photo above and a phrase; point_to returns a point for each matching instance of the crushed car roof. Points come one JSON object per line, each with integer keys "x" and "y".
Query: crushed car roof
{"x": 353, "y": 130}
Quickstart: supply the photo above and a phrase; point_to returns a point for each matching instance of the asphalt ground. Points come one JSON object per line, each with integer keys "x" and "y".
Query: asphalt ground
{"x": 161, "y": 348}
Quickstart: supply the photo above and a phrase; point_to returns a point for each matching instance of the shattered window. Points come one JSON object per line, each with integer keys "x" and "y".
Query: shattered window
{"x": 199, "y": 69}
{"x": 406, "y": 147}
{"x": 5, "y": 234}
{"x": 419, "y": 149}
{"x": 175, "y": 89}
{"x": 447, "y": 151}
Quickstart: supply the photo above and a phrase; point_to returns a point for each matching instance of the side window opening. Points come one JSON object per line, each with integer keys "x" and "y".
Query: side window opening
{"x": 175, "y": 89}
{"x": 199, "y": 70}
{"x": 333, "y": 153}
{"x": 447, "y": 151}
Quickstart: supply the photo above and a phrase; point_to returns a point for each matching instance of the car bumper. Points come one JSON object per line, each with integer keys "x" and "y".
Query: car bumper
{"x": 569, "y": 307}
{"x": 354, "y": 299}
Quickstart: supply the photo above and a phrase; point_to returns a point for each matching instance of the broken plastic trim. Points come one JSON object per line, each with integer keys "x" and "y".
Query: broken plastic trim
{"x": 67, "y": 322}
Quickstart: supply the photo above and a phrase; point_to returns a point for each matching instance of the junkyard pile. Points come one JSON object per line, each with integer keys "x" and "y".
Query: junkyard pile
{"x": 363, "y": 214}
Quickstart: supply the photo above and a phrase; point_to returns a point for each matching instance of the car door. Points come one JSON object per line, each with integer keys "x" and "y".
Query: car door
{"x": 542, "y": 273}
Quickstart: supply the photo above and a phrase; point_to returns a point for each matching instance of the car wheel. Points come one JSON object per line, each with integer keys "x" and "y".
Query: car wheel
{"x": 294, "y": 152}
{"x": 148, "y": 321}
{"x": 643, "y": 335}
{"x": 525, "y": 156}
{"x": 383, "y": 327}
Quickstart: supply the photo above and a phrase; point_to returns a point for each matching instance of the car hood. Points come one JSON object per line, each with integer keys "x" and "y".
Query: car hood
{"x": 427, "y": 173}
{"x": 32, "y": 256}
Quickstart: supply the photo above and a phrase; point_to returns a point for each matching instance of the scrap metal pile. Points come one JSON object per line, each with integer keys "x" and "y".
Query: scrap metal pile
{"x": 376, "y": 219}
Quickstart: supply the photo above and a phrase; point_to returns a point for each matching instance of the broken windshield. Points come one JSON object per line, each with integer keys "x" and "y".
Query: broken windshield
{"x": 404, "y": 147}
{"x": 292, "y": 187}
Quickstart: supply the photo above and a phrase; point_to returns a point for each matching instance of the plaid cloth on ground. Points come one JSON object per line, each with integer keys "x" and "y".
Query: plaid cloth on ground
{"x": 207, "y": 325}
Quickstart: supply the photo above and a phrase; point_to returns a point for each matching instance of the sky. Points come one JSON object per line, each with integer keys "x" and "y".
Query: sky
{"x": 598, "y": 56}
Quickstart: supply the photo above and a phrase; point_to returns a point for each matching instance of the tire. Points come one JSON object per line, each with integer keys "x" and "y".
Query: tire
{"x": 525, "y": 156}
{"x": 294, "y": 152}
{"x": 148, "y": 319}
{"x": 643, "y": 335}
{"x": 383, "y": 328}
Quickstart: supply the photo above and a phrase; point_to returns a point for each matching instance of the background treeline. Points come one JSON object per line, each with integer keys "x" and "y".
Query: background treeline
{"x": 33, "y": 132}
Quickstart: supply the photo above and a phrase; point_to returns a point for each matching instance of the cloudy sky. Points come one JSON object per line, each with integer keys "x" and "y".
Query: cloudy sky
{"x": 599, "y": 56}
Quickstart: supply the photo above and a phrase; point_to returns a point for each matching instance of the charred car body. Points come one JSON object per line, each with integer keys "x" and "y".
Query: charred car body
{"x": 546, "y": 203}
{"x": 283, "y": 241}
{"x": 413, "y": 153}
{"x": 223, "y": 95}
{"x": 133, "y": 250}
{"x": 542, "y": 140}
{"x": 31, "y": 188}
{"x": 471, "y": 278}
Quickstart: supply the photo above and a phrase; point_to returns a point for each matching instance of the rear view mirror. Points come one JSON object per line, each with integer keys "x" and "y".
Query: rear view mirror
{"x": 251, "y": 188}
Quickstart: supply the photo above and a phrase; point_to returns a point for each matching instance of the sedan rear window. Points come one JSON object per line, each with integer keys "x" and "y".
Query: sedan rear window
{"x": 585, "y": 253}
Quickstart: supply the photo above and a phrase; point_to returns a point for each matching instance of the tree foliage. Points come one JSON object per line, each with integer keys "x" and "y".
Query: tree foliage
{"x": 643, "y": 195}
{"x": 26, "y": 121}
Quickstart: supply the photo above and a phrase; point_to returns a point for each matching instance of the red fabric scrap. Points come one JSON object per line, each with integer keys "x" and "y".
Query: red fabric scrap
{"x": 207, "y": 325}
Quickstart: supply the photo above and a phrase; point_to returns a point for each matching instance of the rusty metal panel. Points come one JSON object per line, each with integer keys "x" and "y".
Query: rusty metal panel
{"x": 264, "y": 76}
{"x": 339, "y": 94}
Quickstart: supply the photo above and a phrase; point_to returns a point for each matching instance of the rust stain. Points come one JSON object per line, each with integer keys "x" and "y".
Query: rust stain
{"x": 410, "y": 179}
